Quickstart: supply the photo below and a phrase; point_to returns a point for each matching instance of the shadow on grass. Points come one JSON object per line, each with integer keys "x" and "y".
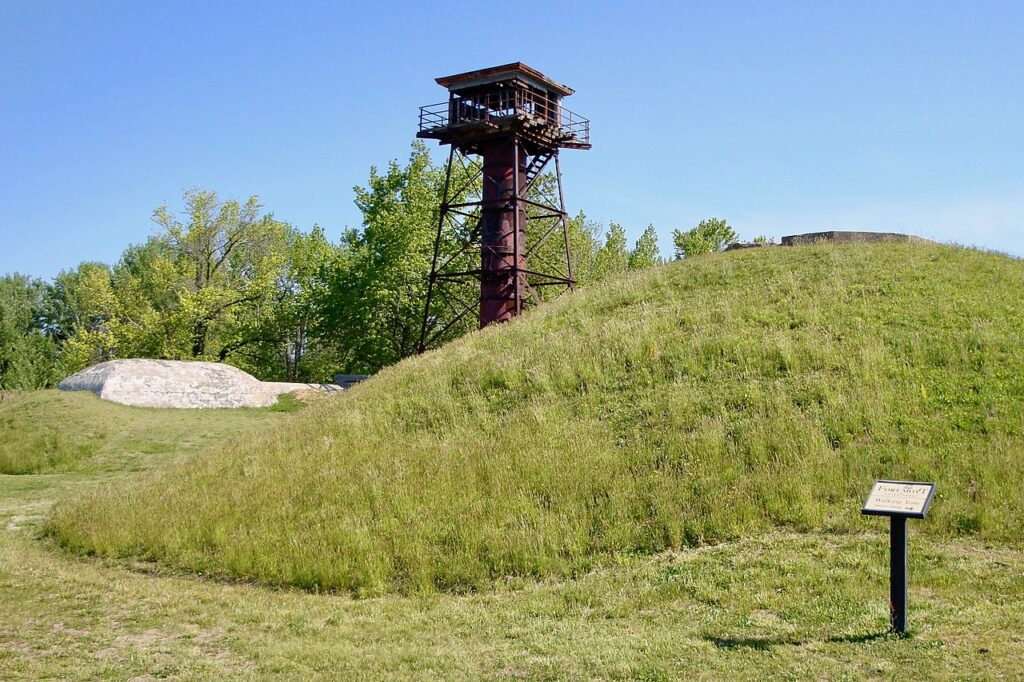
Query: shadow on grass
{"x": 765, "y": 643}
{"x": 757, "y": 643}
{"x": 869, "y": 637}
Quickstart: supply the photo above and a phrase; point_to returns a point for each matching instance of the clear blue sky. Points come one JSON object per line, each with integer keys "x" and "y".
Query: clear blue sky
{"x": 780, "y": 117}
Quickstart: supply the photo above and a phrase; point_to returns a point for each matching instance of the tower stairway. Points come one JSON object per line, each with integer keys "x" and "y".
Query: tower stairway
{"x": 534, "y": 168}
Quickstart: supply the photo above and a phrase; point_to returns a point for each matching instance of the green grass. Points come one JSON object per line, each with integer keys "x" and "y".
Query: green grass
{"x": 780, "y": 606}
{"x": 72, "y": 433}
{"x": 700, "y": 402}
{"x": 58, "y": 431}
{"x": 778, "y": 600}
{"x": 55, "y": 444}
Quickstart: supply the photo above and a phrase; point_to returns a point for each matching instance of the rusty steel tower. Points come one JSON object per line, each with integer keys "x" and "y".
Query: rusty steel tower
{"x": 502, "y": 232}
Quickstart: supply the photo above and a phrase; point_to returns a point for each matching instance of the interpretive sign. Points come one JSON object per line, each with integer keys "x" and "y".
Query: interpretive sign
{"x": 899, "y": 498}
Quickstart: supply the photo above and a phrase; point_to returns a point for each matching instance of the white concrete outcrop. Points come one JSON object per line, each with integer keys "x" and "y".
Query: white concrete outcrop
{"x": 181, "y": 384}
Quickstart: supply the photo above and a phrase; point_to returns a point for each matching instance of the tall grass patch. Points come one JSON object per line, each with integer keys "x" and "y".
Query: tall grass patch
{"x": 692, "y": 403}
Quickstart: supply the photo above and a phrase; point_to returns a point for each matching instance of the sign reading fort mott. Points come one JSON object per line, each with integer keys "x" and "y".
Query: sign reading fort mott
{"x": 899, "y": 498}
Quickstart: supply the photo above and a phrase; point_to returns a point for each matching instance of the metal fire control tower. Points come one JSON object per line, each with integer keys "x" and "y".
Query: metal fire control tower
{"x": 504, "y": 125}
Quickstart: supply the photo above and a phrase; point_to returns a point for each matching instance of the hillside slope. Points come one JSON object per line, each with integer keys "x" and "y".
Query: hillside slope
{"x": 57, "y": 431}
{"x": 694, "y": 402}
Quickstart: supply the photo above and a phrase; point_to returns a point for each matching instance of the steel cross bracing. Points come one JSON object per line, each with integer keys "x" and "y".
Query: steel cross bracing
{"x": 542, "y": 267}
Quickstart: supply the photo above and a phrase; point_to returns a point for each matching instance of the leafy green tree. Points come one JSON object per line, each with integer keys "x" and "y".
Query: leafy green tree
{"x": 645, "y": 253}
{"x": 228, "y": 256}
{"x": 373, "y": 292}
{"x": 287, "y": 345}
{"x": 594, "y": 260}
{"x": 584, "y": 245}
{"x": 225, "y": 283}
{"x": 375, "y": 288}
{"x": 80, "y": 298}
{"x": 613, "y": 256}
{"x": 79, "y": 312}
{"x": 27, "y": 353}
{"x": 147, "y": 287}
{"x": 710, "y": 235}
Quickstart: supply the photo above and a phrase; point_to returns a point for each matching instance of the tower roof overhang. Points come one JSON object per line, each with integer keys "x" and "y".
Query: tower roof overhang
{"x": 505, "y": 72}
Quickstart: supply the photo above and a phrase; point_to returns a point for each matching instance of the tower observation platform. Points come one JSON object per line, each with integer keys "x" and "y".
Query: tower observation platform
{"x": 494, "y": 102}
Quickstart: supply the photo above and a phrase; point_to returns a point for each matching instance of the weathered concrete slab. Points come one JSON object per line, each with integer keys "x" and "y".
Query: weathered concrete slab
{"x": 735, "y": 246}
{"x": 848, "y": 237}
{"x": 179, "y": 384}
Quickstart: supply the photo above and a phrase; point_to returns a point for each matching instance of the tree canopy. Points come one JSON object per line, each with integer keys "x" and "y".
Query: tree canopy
{"x": 710, "y": 235}
{"x": 224, "y": 280}
{"x": 26, "y": 351}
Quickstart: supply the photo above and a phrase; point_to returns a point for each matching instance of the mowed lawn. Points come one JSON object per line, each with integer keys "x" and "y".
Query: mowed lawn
{"x": 779, "y": 604}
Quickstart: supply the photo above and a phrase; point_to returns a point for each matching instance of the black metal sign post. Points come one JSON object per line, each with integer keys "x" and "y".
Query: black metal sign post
{"x": 898, "y": 573}
{"x": 899, "y": 500}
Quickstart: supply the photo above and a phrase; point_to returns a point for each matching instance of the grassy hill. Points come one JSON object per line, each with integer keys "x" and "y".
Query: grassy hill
{"x": 57, "y": 431}
{"x": 697, "y": 402}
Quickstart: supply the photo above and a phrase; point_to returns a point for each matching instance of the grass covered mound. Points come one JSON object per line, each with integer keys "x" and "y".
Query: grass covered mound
{"x": 46, "y": 431}
{"x": 57, "y": 431}
{"x": 694, "y": 402}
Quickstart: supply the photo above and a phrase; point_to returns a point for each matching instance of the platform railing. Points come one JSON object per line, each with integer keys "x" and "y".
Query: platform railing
{"x": 497, "y": 108}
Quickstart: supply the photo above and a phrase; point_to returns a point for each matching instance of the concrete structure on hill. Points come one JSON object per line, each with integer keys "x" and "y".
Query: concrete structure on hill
{"x": 180, "y": 384}
{"x": 832, "y": 237}
{"x": 848, "y": 237}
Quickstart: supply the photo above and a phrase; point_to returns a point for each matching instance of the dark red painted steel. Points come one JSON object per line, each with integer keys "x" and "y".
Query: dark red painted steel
{"x": 501, "y": 253}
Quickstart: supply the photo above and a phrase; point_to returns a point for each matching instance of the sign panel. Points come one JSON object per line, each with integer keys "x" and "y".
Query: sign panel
{"x": 899, "y": 498}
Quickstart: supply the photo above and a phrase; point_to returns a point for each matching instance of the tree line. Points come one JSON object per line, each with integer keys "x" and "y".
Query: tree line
{"x": 226, "y": 281}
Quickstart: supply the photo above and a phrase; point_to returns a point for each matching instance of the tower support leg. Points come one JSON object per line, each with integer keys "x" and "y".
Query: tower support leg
{"x": 484, "y": 261}
{"x": 503, "y": 232}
